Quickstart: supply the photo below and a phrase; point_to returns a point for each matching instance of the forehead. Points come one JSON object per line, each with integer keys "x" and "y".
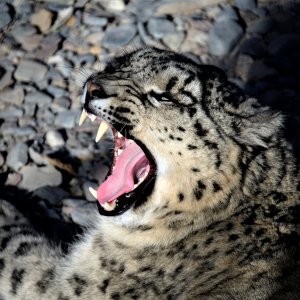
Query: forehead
{"x": 150, "y": 59}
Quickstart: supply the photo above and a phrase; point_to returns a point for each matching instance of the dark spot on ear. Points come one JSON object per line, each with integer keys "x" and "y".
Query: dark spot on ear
{"x": 192, "y": 111}
{"x": 179, "y": 153}
{"x": 195, "y": 170}
{"x": 233, "y": 237}
{"x": 166, "y": 129}
{"x": 216, "y": 187}
{"x": 171, "y": 137}
{"x": 198, "y": 191}
{"x": 180, "y": 197}
{"x": 191, "y": 147}
{"x": 200, "y": 131}
{"x": 104, "y": 285}
{"x": 181, "y": 129}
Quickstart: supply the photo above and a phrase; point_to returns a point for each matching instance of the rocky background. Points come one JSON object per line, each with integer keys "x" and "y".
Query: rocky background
{"x": 48, "y": 48}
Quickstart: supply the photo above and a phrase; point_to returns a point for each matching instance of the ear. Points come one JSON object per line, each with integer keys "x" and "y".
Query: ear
{"x": 260, "y": 126}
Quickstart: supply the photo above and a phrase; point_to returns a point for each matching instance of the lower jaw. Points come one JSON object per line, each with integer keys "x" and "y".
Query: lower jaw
{"x": 133, "y": 199}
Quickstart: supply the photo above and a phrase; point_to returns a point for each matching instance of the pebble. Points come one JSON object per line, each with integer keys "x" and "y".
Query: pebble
{"x": 54, "y": 139}
{"x": 246, "y": 4}
{"x": 34, "y": 177}
{"x": 119, "y": 36}
{"x": 42, "y": 19}
{"x": 2, "y": 160}
{"x": 39, "y": 98}
{"x": 254, "y": 47}
{"x": 51, "y": 194}
{"x": 261, "y": 26}
{"x": 15, "y": 131}
{"x": 13, "y": 178}
{"x": 17, "y": 156}
{"x": 5, "y": 78}
{"x": 13, "y": 95}
{"x": 60, "y": 104}
{"x": 11, "y": 113}
{"x": 66, "y": 119}
{"x": 30, "y": 70}
{"x": 173, "y": 41}
{"x": 90, "y": 20}
{"x": 5, "y": 19}
{"x": 84, "y": 214}
{"x": 223, "y": 36}
{"x": 159, "y": 27}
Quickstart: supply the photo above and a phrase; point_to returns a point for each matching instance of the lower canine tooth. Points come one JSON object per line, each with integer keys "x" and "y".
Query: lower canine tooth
{"x": 103, "y": 127}
{"x": 83, "y": 117}
{"x": 109, "y": 206}
{"x": 93, "y": 192}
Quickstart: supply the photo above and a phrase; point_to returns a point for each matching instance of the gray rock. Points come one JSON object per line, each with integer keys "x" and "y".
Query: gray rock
{"x": 37, "y": 156}
{"x": 60, "y": 104}
{"x": 57, "y": 91}
{"x": 254, "y": 47}
{"x": 120, "y": 36}
{"x": 11, "y": 113}
{"x": 39, "y": 98}
{"x": 13, "y": 178}
{"x": 83, "y": 214}
{"x": 5, "y": 19}
{"x": 5, "y": 78}
{"x": 13, "y": 95}
{"x": 245, "y": 4}
{"x": 34, "y": 177}
{"x": 223, "y": 36}
{"x": 261, "y": 26}
{"x": 18, "y": 131}
{"x": 2, "y": 160}
{"x": 66, "y": 119}
{"x": 54, "y": 139}
{"x": 227, "y": 13}
{"x": 18, "y": 156}
{"x": 159, "y": 27}
{"x": 91, "y": 20}
{"x": 174, "y": 40}
{"x": 48, "y": 46}
{"x": 282, "y": 42}
{"x": 52, "y": 195}
{"x": 72, "y": 202}
{"x": 30, "y": 70}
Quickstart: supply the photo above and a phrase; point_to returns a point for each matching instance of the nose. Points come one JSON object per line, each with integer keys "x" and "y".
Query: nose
{"x": 94, "y": 91}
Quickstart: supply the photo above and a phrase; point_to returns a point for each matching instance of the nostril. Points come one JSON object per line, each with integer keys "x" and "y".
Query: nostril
{"x": 95, "y": 91}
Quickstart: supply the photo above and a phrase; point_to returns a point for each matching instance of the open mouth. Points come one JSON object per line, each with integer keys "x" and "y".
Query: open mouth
{"x": 132, "y": 174}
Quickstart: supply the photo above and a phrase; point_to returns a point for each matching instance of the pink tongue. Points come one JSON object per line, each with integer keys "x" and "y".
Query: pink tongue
{"x": 131, "y": 161}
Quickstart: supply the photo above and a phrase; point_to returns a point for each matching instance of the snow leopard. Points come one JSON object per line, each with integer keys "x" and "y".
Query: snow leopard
{"x": 201, "y": 200}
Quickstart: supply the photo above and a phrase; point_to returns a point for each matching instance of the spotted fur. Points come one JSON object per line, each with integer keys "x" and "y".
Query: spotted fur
{"x": 222, "y": 221}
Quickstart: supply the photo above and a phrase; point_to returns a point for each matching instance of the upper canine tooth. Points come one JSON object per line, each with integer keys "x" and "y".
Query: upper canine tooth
{"x": 103, "y": 127}
{"x": 93, "y": 192}
{"x": 119, "y": 135}
{"x": 83, "y": 117}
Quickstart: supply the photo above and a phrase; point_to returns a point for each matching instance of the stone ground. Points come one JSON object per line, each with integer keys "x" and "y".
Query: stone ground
{"x": 48, "y": 48}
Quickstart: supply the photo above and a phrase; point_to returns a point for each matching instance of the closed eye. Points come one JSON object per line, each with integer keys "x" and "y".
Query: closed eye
{"x": 156, "y": 99}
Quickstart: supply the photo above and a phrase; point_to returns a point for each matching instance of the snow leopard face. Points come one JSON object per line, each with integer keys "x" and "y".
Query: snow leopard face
{"x": 180, "y": 132}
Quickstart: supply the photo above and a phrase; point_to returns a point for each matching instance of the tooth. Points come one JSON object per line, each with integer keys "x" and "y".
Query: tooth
{"x": 93, "y": 192}
{"x": 83, "y": 117}
{"x": 103, "y": 127}
{"x": 109, "y": 206}
{"x": 119, "y": 152}
{"x": 119, "y": 135}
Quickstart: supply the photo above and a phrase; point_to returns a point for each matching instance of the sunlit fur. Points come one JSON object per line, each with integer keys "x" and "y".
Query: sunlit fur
{"x": 221, "y": 221}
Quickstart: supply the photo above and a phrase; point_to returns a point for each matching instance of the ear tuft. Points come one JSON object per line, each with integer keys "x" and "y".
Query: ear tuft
{"x": 260, "y": 127}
